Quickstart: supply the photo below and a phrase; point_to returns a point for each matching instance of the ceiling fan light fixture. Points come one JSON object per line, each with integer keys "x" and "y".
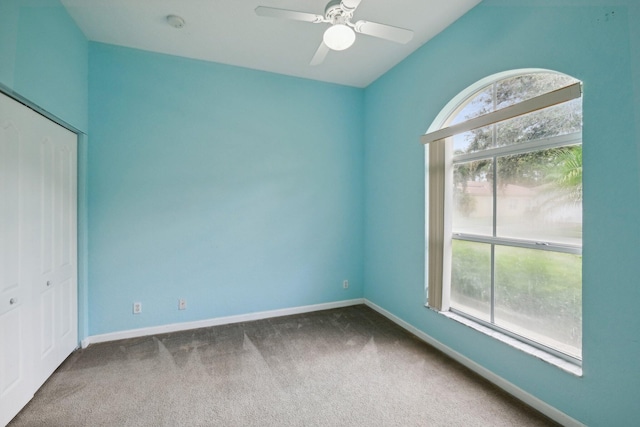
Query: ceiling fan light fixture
{"x": 339, "y": 37}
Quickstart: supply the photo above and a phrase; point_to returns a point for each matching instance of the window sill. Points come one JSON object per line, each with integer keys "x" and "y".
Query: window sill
{"x": 526, "y": 348}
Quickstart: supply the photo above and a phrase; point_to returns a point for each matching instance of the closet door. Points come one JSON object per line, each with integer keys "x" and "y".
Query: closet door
{"x": 17, "y": 265}
{"x": 55, "y": 284}
{"x": 38, "y": 273}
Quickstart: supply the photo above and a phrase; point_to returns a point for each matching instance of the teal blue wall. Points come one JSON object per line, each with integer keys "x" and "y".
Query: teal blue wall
{"x": 239, "y": 190}
{"x": 44, "y": 59}
{"x": 599, "y": 45}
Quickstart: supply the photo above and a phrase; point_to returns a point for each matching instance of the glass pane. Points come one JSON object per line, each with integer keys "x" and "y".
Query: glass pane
{"x": 474, "y": 140}
{"x": 558, "y": 120}
{"x": 479, "y": 104}
{"x": 520, "y": 88}
{"x": 540, "y": 196}
{"x": 473, "y": 198}
{"x": 538, "y": 294}
{"x": 471, "y": 278}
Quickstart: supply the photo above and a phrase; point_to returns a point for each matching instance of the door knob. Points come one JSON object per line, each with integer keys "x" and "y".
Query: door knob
{"x": 12, "y": 301}
{"x": 48, "y": 282}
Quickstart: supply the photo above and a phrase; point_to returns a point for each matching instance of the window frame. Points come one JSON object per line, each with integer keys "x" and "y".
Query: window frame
{"x": 441, "y": 160}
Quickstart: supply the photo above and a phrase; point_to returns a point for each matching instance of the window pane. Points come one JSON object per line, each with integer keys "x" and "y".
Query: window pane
{"x": 473, "y": 141}
{"x": 520, "y": 88}
{"x": 471, "y": 279}
{"x": 538, "y": 294}
{"x": 540, "y": 196}
{"x": 473, "y": 198}
{"x": 479, "y": 104}
{"x": 558, "y": 120}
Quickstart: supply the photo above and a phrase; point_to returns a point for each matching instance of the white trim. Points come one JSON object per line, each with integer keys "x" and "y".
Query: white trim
{"x": 566, "y": 248}
{"x": 530, "y": 105}
{"x": 574, "y": 138}
{"x": 543, "y": 407}
{"x": 565, "y": 364}
{"x": 35, "y": 107}
{"x": 175, "y": 327}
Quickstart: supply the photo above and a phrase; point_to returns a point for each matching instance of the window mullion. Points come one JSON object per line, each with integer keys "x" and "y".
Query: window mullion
{"x": 565, "y": 140}
{"x": 520, "y": 243}
{"x": 494, "y": 188}
{"x": 493, "y": 281}
{"x": 494, "y": 171}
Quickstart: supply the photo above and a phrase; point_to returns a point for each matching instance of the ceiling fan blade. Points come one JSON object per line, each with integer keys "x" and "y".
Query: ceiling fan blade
{"x": 350, "y": 4}
{"x": 320, "y": 54}
{"x": 383, "y": 31}
{"x": 272, "y": 12}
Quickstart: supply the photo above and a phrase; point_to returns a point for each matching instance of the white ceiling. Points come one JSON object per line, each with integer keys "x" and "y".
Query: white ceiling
{"x": 229, "y": 32}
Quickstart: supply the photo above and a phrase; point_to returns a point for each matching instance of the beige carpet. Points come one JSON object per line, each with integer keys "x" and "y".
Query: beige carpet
{"x": 343, "y": 367}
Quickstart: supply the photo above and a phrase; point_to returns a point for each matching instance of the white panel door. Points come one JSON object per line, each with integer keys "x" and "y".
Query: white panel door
{"x": 38, "y": 273}
{"x": 56, "y": 296}
{"x": 16, "y": 308}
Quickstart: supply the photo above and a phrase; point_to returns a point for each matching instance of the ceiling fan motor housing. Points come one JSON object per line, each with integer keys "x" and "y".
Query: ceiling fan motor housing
{"x": 337, "y": 13}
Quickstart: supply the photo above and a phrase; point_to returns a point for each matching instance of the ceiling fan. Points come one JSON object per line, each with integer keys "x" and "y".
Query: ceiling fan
{"x": 342, "y": 32}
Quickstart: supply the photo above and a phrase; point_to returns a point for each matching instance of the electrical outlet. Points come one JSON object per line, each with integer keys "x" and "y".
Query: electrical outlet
{"x": 182, "y": 304}
{"x": 137, "y": 307}
{"x": 345, "y": 284}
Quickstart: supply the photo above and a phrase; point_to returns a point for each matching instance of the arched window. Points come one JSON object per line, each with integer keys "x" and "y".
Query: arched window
{"x": 505, "y": 209}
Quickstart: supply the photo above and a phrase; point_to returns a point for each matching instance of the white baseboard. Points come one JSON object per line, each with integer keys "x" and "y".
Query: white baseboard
{"x": 510, "y": 388}
{"x": 175, "y": 327}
